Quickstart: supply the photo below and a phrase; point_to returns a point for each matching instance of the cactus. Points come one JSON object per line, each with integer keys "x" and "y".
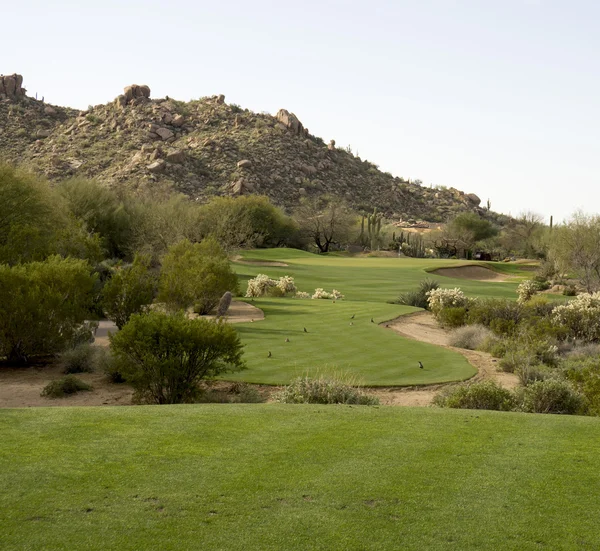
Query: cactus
{"x": 224, "y": 304}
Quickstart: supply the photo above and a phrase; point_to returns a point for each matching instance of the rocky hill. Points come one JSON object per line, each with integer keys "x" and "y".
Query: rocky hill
{"x": 202, "y": 148}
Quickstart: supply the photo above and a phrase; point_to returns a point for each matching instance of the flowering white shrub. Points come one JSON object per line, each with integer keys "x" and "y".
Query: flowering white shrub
{"x": 526, "y": 290}
{"x": 302, "y": 294}
{"x": 260, "y": 285}
{"x": 286, "y": 285}
{"x": 580, "y": 316}
{"x": 438, "y": 299}
{"x": 321, "y": 293}
{"x": 337, "y": 295}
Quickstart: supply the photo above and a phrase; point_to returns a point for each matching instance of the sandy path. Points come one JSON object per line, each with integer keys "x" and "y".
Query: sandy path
{"x": 421, "y": 326}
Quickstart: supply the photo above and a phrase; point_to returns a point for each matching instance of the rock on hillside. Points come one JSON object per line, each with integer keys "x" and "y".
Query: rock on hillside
{"x": 203, "y": 148}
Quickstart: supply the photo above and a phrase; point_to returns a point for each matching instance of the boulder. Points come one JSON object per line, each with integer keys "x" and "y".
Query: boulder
{"x": 244, "y": 164}
{"x": 291, "y": 122}
{"x": 474, "y": 199}
{"x": 331, "y": 145}
{"x": 11, "y": 87}
{"x": 49, "y": 110}
{"x": 307, "y": 169}
{"x": 178, "y": 120}
{"x": 164, "y": 133}
{"x": 175, "y": 156}
{"x": 43, "y": 133}
{"x": 157, "y": 166}
{"x": 136, "y": 91}
{"x": 220, "y": 99}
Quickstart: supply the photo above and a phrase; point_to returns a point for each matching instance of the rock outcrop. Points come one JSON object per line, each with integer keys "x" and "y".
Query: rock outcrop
{"x": 11, "y": 87}
{"x": 291, "y": 122}
{"x": 132, "y": 94}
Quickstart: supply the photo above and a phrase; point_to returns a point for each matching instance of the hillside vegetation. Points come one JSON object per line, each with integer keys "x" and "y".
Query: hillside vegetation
{"x": 206, "y": 147}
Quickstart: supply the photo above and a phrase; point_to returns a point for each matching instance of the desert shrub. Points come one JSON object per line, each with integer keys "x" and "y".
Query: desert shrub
{"x": 569, "y": 291}
{"x": 500, "y": 315}
{"x": 486, "y": 395}
{"x": 64, "y": 386}
{"x": 106, "y": 362}
{"x": 80, "y": 359}
{"x": 320, "y": 293}
{"x": 419, "y": 297}
{"x": 494, "y": 345}
{"x": 324, "y": 390}
{"x": 129, "y": 291}
{"x": 224, "y": 304}
{"x": 526, "y": 290}
{"x": 237, "y": 393}
{"x": 550, "y": 396}
{"x": 440, "y": 299}
{"x": 582, "y": 350}
{"x": 580, "y": 317}
{"x": 452, "y": 317}
{"x": 286, "y": 285}
{"x": 529, "y": 374}
{"x": 470, "y": 337}
{"x": 541, "y": 283}
{"x": 195, "y": 274}
{"x": 260, "y": 286}
{"x": 165, "y": 357}
{"x": 43, "y": 306}
{"x": 584, "y": 373}
{"x": 302, "y": 294}
{"x": 525, "y": 351}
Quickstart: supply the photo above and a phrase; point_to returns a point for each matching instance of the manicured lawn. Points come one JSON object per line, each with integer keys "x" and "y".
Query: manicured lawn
{"x": 275, "y": 477}
{"x": 369, "y": 352}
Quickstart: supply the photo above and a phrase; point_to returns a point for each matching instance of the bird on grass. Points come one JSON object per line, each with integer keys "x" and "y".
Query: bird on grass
{"x": 372, "y": 320}
{"x": 353, "y": 316}
{"x": 269, "y": 354}
{"x": 351, "y": 323}
{"x": 305, "y": 330}
{"x": 420, "y": 365}
{"x": 287, "y": 340}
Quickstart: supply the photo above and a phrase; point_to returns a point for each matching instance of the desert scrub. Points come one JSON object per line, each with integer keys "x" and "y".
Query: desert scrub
{"x": 418, "y": 298}
{"x": 580, "y": 317}
{"x": 551, "y": 396}
{"x": 486, "y": 395}
{"x": 526, "y": 290}
{"x": 439, "y": 299}
{"x": 80, "y": 359}
{"x": 321, "y": 293}
{"x": 64, "y": 387}
{"x": 262, "y": 285}
{"x": 324, "y": 390}
{"x": 470, "y": 337}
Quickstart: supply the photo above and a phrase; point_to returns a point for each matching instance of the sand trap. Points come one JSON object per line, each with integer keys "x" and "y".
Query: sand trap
{"x": 239, "y": 260}
{"x": 476, "y": 273}
{"x": 240, "y": 312}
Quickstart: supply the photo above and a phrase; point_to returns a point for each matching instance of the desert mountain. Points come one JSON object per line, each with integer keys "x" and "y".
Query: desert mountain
{"x": 202, "y": 148}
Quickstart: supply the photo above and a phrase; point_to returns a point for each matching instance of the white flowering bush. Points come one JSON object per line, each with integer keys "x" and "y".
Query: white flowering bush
{"x": 286, "y": 285}
{"x": 526, "y": 290}
{"x": 438, "y": 299}
{"x": 580, "y": 317}
{"x": 321, "y": 293}
{"x": 337, "y": 295}
{"x": 302, "y": 294}
{"x": 260, "y": 285}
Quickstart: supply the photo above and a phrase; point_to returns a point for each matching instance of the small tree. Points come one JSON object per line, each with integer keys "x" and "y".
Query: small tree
{"x": 165, "y": 357}
{"x": 129, "y": 291}
{"x": 195, "y": 275}
{"x": 43, "y": 306}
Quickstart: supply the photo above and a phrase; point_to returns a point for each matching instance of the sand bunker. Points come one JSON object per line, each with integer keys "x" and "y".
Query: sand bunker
{"x": 239, "y": 260}
{"x": 476, "y": 273}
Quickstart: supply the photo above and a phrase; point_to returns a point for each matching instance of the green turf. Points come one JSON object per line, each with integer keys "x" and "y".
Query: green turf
{"x": 368, "y": 351}
{"x": 276, "y": 477}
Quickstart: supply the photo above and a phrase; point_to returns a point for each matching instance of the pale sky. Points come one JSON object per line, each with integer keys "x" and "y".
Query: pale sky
{"x": 495, "y": 97}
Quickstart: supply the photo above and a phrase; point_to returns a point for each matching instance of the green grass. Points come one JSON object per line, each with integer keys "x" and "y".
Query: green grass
{"x": 275, "y": 477}
{"x": 375, "y": 355}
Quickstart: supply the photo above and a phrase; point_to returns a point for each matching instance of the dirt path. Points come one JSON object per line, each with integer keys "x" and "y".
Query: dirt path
{"x": 421, "y": 326}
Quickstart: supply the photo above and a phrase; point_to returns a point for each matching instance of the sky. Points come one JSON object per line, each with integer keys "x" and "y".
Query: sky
{"x": 494, "y": 97}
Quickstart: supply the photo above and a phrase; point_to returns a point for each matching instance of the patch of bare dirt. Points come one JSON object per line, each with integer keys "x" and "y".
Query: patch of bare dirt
{"x": 273, "y": 263}
{"x": 421, "y": 326}
{"x": 240, "y": 312}
{"x": 476, "y": 273}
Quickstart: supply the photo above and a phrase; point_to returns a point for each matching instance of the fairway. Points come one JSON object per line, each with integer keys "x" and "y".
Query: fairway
{"x": 276, "y": 477}
{"x": 375, "y": 356}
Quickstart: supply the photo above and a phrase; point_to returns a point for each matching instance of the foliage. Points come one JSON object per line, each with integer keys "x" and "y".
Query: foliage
{"x": 43, "y": 305}
{"x": 262, "y": 285}
{"x": 550, "y": 396}
{"x": 65, "y": 386}
{"x": 195, "y": 274}
{"x": 129, "y": 291}
{"x": 470, "y": 337}
{"x": 526, "y": 290}
{"x": 529, "y": 374}
{"x": 580, "y": 317}
{"x": 452, "y": 317}
{"x": 324, "y": 390}
{"x": 419, "y": 298}
{"x": 80, "y": 359}
{"x": 584, "y": 373}
{"x": 486, "y": 395}
{"x": 463, "y": 232}
{"x": 165, "y": 357}
{"x": 438, "y": 299}
{"x": 500, "y": 315}
{"x": 320, "y": 293}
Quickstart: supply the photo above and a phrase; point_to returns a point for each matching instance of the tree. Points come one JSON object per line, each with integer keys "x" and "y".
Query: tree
{"x": 463, "y": 232}
{"x": 195, "y": 274}
{"x": 325, "y": 221}
{"x": 575, "y": 247}
{"x": 129, "y": 290}
{"x": 43, "y": 306}
{"x": 247, "y": 221}
{"x": 524, "y": 235}
{"x": 165, "y": 357}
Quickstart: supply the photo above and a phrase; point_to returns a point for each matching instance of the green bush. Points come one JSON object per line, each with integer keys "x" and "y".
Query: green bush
{"x": 129, "y": 291}
{"x": 195, "y": 275}
{"x": 529, "y": 374}
{"x": 452, "y": 317}
{"x": 80, "y": 359}
{"x": 43, "y": 306}
{"x": 470, "y": 337}
{"x": 550, "y": 396}
{"x": 63, "y": 387}
{"x": 166, "y": 357}
{"x": 324, "y": 390}
{"x": 419, "y": 297}
{"x": 500, "y": 315}
{"x": 569, "y": 291}
{"x": 237, "y": 393}
{"x": 106, "y": 362}
{"x": 486, "y": 395}
{"x": 584, "y": 373}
